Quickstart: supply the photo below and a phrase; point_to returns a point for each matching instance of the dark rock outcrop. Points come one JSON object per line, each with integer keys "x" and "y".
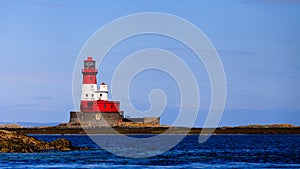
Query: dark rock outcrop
{"x": 16, "y": 142}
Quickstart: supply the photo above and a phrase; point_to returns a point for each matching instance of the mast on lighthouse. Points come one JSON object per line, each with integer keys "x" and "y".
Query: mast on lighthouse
{"x": 89, "y": 86}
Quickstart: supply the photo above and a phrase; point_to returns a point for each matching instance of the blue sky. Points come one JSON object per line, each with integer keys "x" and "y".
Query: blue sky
{"x": 258, "y": 43}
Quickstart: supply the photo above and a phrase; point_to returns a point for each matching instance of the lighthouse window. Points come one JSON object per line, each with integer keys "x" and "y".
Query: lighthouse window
{"x": 86, "y": 95}
{"x": 90, "y": 104}
{"x": 100, "y": 95}
{"x": 92, "y": 95}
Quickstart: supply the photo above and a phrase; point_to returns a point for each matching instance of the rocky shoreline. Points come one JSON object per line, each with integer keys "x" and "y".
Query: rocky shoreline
{"x": 13, "y": 142}
{"x": 251, "y": 129}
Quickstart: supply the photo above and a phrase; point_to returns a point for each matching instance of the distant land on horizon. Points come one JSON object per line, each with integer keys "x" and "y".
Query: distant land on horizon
{"x": 32, "y": 124}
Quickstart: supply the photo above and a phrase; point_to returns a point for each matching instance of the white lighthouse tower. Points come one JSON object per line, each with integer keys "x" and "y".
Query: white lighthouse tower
{"x": 103, "y": 91}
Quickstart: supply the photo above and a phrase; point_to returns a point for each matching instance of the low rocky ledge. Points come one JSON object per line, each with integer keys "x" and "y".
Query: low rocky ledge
{"x": 13, "y": 142}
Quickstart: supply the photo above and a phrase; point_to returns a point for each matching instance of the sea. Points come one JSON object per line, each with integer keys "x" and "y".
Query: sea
{"x": 219, "y": 151}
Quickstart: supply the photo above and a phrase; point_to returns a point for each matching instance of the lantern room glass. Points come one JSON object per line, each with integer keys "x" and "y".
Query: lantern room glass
{"x": 89, "y": 65}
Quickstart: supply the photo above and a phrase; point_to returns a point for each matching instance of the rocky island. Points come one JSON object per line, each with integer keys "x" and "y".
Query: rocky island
{"x": 64, "y": 129}
{"x": 14, "y": 142}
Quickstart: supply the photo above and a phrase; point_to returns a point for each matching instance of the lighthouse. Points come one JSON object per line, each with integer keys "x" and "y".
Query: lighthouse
{"x": 95, "y": 108}
{"x": 89, "y": 95}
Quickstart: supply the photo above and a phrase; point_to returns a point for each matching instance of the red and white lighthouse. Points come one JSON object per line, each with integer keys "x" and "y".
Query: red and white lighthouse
{"x": 95, "y": 108}
{"x": 89, "y": 89}
{"x": 94, "y": 100}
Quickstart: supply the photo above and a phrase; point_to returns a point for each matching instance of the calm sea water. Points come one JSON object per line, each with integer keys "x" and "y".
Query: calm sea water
{"x": 220, "y": 151}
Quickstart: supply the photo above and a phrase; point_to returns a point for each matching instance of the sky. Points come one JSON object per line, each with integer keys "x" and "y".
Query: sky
{"x": 257, "y": 42}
